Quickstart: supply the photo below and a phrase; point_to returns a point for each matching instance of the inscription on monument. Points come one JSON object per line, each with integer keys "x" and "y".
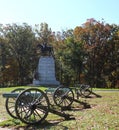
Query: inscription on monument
{"x": 46, "y": 72}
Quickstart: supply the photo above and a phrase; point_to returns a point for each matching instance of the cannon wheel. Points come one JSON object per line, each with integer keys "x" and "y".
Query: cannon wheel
{"x": 32, "y": 106}
{"x": 63, "y": 97}
{"x": 10, "y": 103}
{"x": 85, "y": 90}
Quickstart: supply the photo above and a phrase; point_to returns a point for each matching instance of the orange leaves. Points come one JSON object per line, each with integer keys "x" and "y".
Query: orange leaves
{"x": 92, "y": 33}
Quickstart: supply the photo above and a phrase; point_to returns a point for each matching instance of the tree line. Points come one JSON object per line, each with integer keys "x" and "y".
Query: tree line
{"x": 86, "y": 54}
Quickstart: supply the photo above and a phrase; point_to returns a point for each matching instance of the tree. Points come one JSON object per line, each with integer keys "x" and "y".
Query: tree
{"x": 69, "y": 54}
{"x": 20, "y": 44}
{"x": 95, "y": 36}
{"x": 111, "y": 69}
{"x": 44, "y": 34}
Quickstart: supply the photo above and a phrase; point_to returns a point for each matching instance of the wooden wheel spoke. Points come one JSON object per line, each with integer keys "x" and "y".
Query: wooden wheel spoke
{"x": 32, "y": 106}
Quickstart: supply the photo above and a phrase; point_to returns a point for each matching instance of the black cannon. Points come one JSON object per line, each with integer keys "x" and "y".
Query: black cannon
{"x": 32, "y": 105}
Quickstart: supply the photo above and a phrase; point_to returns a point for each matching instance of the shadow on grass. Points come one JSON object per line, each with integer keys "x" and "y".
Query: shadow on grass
{"x": 41, "y": 126}
{"x": 54, "y": 125}
{"x": 46, "y": 125}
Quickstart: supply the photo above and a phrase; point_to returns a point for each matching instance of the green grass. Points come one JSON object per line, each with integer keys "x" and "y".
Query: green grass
{"x": 9, "y": 89}
{"x": 103, "y": 114}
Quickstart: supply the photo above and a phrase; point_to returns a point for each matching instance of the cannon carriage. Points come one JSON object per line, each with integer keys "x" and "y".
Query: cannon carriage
{"x": 33, "y": 105}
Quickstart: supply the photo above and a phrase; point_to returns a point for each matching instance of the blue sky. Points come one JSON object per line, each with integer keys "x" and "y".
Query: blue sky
{"x": 58, "y": 14}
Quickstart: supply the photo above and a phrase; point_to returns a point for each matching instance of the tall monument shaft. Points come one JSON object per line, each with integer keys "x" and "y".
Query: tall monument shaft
{"x": 46, "y": 72}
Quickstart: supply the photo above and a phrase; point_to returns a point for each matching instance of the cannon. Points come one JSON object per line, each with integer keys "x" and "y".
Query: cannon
{"x": 33, "y": 105}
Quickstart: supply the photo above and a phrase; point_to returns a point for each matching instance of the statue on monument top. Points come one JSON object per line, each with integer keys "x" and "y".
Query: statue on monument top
{"x": 45, "y": 49}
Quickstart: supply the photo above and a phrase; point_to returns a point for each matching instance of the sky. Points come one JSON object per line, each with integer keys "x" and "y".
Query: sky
{"x": 58, "y": 14}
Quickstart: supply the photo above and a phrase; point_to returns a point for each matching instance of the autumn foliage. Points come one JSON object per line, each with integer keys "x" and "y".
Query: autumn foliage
{"x": 85, "y": 54}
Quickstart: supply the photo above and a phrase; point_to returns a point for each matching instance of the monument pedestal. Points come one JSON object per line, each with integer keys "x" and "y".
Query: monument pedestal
{"x": 46, "y": 72}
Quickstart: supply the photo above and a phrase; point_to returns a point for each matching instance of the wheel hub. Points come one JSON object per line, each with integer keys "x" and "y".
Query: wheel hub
{"x": 33, "y": 107}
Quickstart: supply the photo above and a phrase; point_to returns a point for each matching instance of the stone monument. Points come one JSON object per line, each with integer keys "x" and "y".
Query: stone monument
{"x": 45, "y": 74}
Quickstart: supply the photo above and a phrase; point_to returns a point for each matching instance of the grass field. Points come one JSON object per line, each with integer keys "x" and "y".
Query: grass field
{"x": 103, "y": 115}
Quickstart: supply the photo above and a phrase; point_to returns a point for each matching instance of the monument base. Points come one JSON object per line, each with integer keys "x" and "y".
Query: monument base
{"x": 46, "y": 72}
{"x": 46, "y": 83}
